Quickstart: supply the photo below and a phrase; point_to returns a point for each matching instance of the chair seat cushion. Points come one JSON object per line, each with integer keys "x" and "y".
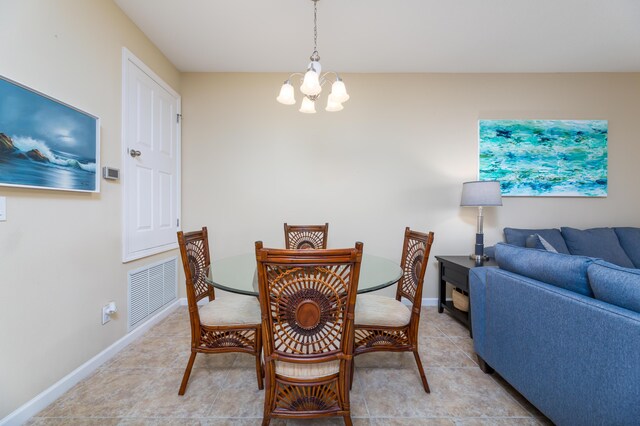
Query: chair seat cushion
{"x": 307, "y": 371}
{"x": 372, "y": 309}
{"x": 232, "y": 309}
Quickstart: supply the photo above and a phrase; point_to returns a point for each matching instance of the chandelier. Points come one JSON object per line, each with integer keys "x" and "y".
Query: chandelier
{"x": 312, "y": 81}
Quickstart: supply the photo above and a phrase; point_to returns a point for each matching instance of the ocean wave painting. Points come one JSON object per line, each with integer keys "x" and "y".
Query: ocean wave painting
{"x": 556, "y": 158}
{"x": 45, "y": 143}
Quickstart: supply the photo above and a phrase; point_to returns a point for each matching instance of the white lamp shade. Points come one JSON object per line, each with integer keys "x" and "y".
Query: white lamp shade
{"x": 339, "y": 91}
{"x": 333, "y": 105}
{"x": 311, "y": 84}
{"x": 286, "y": 95}
{"x": 481, "y": 193}
{"x": 308, "y": 106}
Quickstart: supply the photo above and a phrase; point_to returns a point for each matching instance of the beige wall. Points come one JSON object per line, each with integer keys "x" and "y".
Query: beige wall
{"x": 396, "y": 156}
{"x": 60, "y": 252}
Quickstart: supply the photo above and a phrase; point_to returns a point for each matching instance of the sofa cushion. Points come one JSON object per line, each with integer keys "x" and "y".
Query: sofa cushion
{"x": 630, "y": 241}
{"x": 558, "y": 269}
{"x": 518, "y": 237}
{"x": 596, "y": 242}
{"x": 615, "y": 284}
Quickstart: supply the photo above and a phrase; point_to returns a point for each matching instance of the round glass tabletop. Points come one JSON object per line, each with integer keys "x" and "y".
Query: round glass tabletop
{"x": 238, "y": 274}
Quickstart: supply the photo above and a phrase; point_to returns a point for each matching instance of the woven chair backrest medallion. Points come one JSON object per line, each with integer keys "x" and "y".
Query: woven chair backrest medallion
{"x": 198, "y": 267}
{"x": 306, "y": 240}
{"x": 302, "y": 237}
{"x": 412, "y": 268}
{"x": 307, "y": 307}
{"x": 194, "y": 249}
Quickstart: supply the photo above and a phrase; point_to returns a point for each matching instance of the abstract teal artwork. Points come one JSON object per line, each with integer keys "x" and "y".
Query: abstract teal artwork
{"x": 553, "y": 158}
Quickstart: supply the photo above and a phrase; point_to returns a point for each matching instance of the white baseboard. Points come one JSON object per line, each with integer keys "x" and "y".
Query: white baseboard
{"x": 429, "y": 301}
{"x": 40, "y": 401}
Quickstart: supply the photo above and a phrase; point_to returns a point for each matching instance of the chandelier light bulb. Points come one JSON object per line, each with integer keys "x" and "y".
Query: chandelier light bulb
{"x": 308, "y": 106}
{"x": 333, "y": 105}
{"x": 311, "y": 84}
{"x": 286, "y": 95}
{"x": 339, "y": 91}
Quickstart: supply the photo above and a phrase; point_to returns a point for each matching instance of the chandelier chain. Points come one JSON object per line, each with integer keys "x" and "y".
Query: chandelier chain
{"x": 315, "y": 26}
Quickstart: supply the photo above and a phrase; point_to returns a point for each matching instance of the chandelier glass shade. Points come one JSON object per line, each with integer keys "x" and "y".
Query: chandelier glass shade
{"x": 313, "y": 80}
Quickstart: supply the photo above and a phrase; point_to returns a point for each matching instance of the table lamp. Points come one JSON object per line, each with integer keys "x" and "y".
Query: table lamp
{"x": 480, "y": 194}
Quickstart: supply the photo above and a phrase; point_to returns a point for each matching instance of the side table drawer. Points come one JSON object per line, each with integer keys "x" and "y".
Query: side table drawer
{"x": 455, "y": 277}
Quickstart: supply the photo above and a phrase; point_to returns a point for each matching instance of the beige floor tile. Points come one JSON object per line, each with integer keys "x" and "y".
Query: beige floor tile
{"x": 241, "y": 422}
{"x": 239, "y": 396}
{"x": 139, "y": 386}
{"x": 497, "y": 421}
{"x": 466, "y": 345}
{"x": 327, "y": 421}
{"x": 154, "y": 351}
{"x": 412, "y": 422}
{"x": 517, "y": 396}
{"x": 159, "y": 422}
{"x": 398, "y": 393}
{"x": 468, "y": 392}
{"x": 69, "y": 421}
{"x": 161, "y": 397}
{"x": 460, "y": 392}
{"x": 385, "y": 360}
{"x": 442, "y": 352}
{"x": 109, "y": 393}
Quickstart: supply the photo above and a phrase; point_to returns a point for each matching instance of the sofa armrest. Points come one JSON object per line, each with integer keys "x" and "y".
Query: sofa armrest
{"x": 477, "y": 294}
{"x": 576, "y": 358}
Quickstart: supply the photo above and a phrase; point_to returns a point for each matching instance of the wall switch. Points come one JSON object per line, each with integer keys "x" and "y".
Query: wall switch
{"x": 3, "y": 209}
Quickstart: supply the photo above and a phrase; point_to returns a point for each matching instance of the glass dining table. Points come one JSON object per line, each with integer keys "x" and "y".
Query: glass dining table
{"x": 238, "y": 274}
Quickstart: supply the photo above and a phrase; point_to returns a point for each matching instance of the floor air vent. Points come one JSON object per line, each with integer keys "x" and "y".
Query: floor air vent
{"x": 151, "y": 288}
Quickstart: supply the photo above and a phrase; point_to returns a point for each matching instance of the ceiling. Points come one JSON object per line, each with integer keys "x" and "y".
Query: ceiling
{"x": 377, "y": 36}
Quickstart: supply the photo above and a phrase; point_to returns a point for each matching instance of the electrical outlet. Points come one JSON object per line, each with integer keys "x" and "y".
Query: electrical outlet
{"x": 108, "y": 310}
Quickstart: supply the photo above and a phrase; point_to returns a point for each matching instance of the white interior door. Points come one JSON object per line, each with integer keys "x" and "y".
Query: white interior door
{"x": 151, "y": 160}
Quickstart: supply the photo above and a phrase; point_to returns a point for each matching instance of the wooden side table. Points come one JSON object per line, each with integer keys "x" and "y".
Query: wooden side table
{"x": 455, "y": 271}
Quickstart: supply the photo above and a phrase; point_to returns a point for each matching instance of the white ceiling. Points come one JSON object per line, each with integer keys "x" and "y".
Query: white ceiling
{"x": 394, "y": 35}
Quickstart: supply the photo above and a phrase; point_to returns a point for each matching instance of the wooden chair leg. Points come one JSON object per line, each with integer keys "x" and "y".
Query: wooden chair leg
{"x": 347, "y": 420}
{"x": 259, "y": 371}
{"x": 187, "y": 373}
{"x": 353, "y": 369}
{"x": 266, "y": 421}
{"x": 423, "y": 376}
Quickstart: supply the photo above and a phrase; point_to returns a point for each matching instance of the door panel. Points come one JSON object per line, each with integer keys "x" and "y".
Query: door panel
{"x": 151, "y": 177}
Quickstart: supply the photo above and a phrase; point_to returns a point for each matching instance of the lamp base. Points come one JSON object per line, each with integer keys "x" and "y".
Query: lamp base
{"x": 478, "y": 258}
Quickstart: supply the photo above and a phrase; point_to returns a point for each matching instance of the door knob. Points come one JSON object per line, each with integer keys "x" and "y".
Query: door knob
{"x": 134, "y": 153}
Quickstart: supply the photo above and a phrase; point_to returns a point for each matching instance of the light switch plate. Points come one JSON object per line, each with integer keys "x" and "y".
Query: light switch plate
{"x": 3, "y": 209}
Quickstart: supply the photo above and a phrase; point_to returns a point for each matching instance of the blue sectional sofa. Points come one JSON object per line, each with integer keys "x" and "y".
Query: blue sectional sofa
{"x": 561, "y": 326}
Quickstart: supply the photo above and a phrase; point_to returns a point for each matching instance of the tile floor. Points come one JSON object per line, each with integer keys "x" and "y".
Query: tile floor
{"x": 140, "y": 386}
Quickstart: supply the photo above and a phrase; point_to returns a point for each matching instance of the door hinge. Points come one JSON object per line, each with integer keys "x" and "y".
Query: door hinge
{"x": 178, "y": 118}
{"x": 178, "y": 223}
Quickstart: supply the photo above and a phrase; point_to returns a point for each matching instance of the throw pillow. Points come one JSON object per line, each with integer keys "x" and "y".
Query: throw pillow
{"x": 616, "y": 285}
{"x": 518, "y": 237}
{"x": 630, "y": 241}
{"x": 536, "y": 241}
{"x": 558, "y": 269}
{"x": 602, "y": 243}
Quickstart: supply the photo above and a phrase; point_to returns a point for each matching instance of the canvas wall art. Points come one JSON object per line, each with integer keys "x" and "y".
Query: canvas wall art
{"x": 557, "y": 158}
{"x": 45, "y": 143}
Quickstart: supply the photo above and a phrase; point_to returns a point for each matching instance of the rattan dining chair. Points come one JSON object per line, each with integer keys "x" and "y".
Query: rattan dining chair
{"x": 231, "y": 324}
{"x": 307, "y": 299}
{"x": 306, "y": 236}
{"x": 386, "y": 324}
